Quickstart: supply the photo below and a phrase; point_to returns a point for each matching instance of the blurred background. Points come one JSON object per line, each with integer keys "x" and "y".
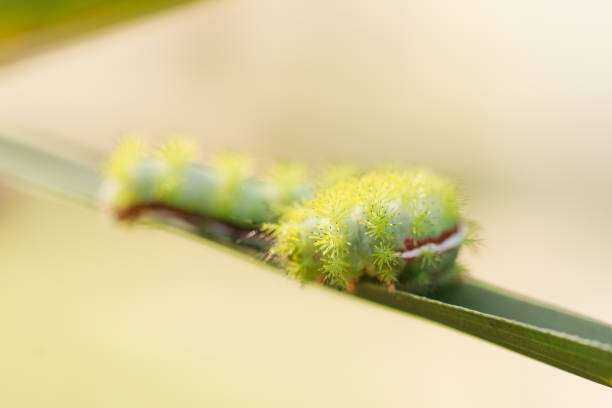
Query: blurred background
{"x": 511, "y": 99}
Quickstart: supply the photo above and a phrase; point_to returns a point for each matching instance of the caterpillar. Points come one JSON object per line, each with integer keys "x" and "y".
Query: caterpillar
{"x": 399, "y": 227}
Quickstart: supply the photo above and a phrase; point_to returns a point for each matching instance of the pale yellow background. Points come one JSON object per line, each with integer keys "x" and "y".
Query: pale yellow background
{"x": 512, "y": 99}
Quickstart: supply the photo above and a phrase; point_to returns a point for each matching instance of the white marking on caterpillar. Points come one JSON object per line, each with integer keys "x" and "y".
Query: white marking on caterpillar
{"x": 449, "y": 243}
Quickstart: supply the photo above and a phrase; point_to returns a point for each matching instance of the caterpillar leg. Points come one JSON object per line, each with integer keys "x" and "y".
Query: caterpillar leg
{"x": 351, "y": 285}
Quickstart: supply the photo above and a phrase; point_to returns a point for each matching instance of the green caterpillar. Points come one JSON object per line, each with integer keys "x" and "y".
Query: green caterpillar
{"x": 399, "y": 227}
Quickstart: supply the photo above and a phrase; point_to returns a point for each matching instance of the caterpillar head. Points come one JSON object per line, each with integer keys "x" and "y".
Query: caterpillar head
{"x": 395, "y": 226}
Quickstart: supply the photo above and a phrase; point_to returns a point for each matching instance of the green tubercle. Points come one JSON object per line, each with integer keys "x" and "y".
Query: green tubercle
{"x": 359, "y": 227}
{"x": 169, "y": 176}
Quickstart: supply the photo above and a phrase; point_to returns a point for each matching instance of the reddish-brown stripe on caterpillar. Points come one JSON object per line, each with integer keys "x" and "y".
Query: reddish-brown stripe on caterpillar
{"x": 411, "y": 244}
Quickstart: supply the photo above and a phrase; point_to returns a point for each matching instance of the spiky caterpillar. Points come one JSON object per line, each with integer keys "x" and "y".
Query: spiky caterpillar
{"x": 395, "y": 226}
{"x": 169, "y": 177}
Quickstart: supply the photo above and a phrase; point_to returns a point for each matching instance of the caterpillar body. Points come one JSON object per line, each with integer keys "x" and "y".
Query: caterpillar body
{"x": 399, "y": 227}
{"x": 224, "y": 191}
{"x": 395, "y": 226}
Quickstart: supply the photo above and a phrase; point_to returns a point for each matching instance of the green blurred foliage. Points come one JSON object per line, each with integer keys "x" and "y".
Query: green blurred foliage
{"x": 19, "y": 17}
{"x": 53, "y": 20}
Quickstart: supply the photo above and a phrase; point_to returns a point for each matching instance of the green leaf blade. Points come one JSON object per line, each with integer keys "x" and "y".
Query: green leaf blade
{"x": 573, "y": 343}
{"x": 586, "y": 357}
{"x": 21, "y": 164}
{"x": 486, "y": 298}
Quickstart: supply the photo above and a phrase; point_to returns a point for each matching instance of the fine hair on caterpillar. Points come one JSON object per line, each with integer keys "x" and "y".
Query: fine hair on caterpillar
{"x": 395, "y": 226}
{"x": 225, "y": 190}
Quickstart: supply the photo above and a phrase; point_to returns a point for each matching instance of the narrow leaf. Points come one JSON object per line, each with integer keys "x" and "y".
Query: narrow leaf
{"x": 20, "y": 164}
{"x": 571, "y": 345}
{"x": 576, "y": 344}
